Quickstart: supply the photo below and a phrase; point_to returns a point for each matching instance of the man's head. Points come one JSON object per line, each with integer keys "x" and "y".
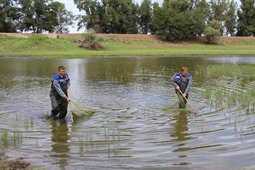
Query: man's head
{"x": 185, "y": 71}
{"x": 61, "y": 70}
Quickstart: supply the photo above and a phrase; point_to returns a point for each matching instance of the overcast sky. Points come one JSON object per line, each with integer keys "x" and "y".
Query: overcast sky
{"x": 70, "y": 6}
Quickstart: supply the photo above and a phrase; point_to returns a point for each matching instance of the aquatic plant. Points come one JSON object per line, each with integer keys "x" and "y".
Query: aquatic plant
{"x": 229, "y": 69}
{"x": 81, "y": 146}
{"x": 219, "y": 96}
{"x": 4, "y": 139}
{"x": 231, "y": 99}
{"x": 208, "y": 92}
{"x": 17, "y": 138}
{"x": 31, "y": 122}
{"x": 26, "y": 124}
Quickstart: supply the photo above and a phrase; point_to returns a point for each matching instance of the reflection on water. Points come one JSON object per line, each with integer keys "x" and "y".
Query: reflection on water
{"x": 137, "y": 125}
{"x": 60, "y": 142}
{"x": 181, "y": 126}
{"x": 181, "y": 135}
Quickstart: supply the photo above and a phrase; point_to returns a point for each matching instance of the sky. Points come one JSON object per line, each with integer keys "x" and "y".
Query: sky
{"x": 70, "y": 6}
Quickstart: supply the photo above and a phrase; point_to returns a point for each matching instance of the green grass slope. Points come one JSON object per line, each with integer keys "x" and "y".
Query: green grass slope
{"x": 42, "y": 46}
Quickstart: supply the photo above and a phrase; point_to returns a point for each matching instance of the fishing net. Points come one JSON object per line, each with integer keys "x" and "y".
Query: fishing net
{"x": 78, "y": 110}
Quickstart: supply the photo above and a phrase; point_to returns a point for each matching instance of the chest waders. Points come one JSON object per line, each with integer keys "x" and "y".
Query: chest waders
{"x": 182, "y": 83}
{"x": 59, "y": 104}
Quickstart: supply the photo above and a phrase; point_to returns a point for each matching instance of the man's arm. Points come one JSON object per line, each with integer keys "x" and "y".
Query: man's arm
{"x": 174, "y": 81}
{"x": 56, "y": 85}
{"x": 189, "y": 85}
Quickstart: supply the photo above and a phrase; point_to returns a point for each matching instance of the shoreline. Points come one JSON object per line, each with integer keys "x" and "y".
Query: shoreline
{"x": 136, "y": 56}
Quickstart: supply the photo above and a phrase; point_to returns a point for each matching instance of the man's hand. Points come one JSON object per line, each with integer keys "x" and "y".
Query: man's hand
{"x": 177, "y": 88}
{"x": 184, "y": 95}
{"x": 68, "y": 100}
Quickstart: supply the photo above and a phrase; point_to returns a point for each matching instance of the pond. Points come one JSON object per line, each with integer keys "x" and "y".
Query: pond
{"x": 137, "y": 124}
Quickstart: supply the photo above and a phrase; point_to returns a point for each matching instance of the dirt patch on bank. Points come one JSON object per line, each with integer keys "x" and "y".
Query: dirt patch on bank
{"x": 90, "y": 46}
{"x": 17, "y": 164}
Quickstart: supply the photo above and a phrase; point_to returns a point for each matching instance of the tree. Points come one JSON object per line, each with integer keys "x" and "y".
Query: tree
{"x": 231, "y": 18}
{"x": 65, "y": 18}
{"x": 212, "y": 31}
{"x": 92, "y": 18}
{"x": 145, "y": 17}
{"x": 120, "y": 16}
{"x": 246, "y": 21}
{"x": 133, "y": 17}
{"x": 108, "y": 16}
{"x": 218, "y": 11}
{"x": 9, "y": 13}
{"x": 179, "y": 19}
{"x": 38, "y": 16}
{"x": 224, "y": 11}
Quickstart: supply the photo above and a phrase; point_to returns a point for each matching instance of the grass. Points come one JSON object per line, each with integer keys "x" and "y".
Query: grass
{"x": 6, "y": 140}
{"x": 107, "y": 141}
{"x": 230, "y": 70}
{"x": 222, "y": 97}
{"x": 81, "y": 146}
{"x": 38, "y": 46}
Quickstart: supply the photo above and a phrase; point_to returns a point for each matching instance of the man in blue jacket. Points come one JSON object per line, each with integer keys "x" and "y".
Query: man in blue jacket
{"x": 182, "y": 81}
{"x": 58, "y": 94}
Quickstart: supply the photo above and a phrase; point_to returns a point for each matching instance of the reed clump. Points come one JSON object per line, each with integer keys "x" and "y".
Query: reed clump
{"x": 223, "y": 97}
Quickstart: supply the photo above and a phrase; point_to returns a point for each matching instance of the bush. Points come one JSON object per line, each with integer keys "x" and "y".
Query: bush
{"x": 91, "y": 41}
{"x": 211, "y": 35}
{"x": 212, "y": 31}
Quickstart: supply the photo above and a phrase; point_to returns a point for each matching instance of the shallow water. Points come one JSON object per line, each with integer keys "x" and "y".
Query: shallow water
{"x": 137, "y": 125}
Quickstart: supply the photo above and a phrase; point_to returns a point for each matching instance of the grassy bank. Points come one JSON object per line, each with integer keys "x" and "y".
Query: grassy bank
{"x": 121, "y": 46}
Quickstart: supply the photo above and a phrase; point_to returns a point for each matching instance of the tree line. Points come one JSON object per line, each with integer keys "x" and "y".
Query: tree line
{"x": 37, "y": 16}
{"x": 173, "y": 19}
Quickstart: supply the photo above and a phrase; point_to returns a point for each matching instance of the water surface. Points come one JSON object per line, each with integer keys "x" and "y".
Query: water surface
{"x": 137, "y": 125}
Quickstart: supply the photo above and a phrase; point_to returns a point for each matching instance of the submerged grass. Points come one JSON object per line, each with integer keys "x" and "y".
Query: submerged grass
{"x": 231, "y": 70}
{"x": 107, "y": 141}
{"x": 222, "y": 97}
{"x": 6, "y": 140}
{"x": 66, "y": 48}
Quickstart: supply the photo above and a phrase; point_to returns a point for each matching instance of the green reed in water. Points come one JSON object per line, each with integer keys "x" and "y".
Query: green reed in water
{"x": 17, "y": 138}
{"x": 4, "y": 139}
{"x": 219, "y": 96}
{"x": 109, "y": 140}
{"x": 231, "y": 99}
{"x": 81, "y": 146}
{"x": 208, "y": 92}
{"x": 223, "y": 98}
{"x": 229, "y": 69}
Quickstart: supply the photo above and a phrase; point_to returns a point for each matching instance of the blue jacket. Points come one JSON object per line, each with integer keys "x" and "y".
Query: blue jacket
{"x": 184, "y": 83}
{"x": 59, "y": 85}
